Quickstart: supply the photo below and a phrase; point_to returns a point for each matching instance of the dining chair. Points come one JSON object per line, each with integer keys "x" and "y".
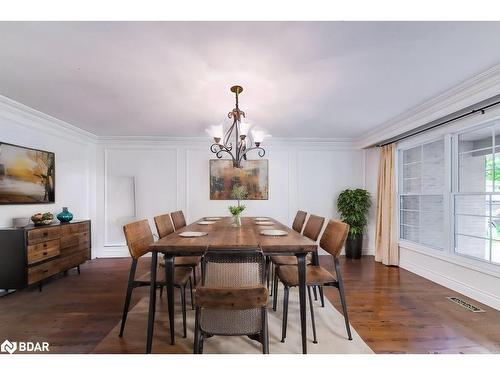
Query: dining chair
{"x": 332, "y": 240}
{"x": 298, "y": 222}
{"x": 164, "y": 227}
{"x": 178, "y": 219}
{"x": 312, "y": 231}
{"x": 232, "y": 298}
{"x": 139, "y": 236}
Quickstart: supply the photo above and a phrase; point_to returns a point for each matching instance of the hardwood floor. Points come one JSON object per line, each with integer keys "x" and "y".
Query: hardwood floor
{"x": 393, "y": 310}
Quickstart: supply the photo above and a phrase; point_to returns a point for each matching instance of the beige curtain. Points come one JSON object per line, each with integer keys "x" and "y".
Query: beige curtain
{"x": 386, "y": 244}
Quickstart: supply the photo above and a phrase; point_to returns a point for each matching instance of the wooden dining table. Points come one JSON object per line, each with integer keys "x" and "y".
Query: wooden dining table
{"x": 222, "y": 234}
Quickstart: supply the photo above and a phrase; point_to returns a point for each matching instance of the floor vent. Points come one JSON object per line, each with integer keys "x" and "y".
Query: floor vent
{"x": 465, "y": 304}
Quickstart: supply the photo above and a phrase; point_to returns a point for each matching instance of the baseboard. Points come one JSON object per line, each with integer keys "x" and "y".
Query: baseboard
{"x": 453, "y": 284}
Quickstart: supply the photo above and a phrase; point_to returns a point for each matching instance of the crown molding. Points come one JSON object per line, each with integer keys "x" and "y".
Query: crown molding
{"x": 32, "y": 118}
{"x": 203, "y": 141}
{"x": 471, "y": 91}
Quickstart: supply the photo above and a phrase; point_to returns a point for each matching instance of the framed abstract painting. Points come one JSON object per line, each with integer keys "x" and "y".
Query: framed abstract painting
{"x": 254, "y": 176}
{"x": 27, "y": 175}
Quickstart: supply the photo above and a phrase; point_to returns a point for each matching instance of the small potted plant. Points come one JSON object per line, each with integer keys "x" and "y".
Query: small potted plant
{"x": 239, "y": 193}
{"x": 353, "y": 206}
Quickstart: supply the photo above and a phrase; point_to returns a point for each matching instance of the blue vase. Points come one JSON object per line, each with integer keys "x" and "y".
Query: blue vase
{"x": 65, "y": 216}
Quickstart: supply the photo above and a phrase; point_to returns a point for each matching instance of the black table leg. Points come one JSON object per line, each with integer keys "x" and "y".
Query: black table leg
{"x": 301, "y": 263}
{"x": 152, "y": 302}
{"x": 169, "y": 278}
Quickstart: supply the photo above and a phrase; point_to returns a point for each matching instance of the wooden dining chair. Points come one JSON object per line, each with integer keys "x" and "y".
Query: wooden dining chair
{"x": 332, "y": 240}
{"x": 298, "y": 222}
{"x": 297, "y": 225}
{"x": 232, "y": 298}
{"x": 178, "y": 219}
{"x": 139, "y": 237}
{"x": 164, "y": 227}
{"x": 312, "y": 231}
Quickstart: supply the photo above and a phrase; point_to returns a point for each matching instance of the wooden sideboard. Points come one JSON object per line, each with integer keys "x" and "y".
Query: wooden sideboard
{"x": 30, "y": 255}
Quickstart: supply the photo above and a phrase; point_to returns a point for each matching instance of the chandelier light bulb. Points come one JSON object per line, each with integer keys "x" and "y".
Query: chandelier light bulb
{"x": 216, "y": 131}
{"x": 244, "y": 128}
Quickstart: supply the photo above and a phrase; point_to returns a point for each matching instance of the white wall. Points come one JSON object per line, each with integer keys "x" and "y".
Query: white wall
{"x": 74, "y": 156}
{"x": 303, "y": 175}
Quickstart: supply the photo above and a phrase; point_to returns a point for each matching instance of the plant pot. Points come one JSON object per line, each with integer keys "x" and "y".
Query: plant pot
{"x": 354, "y": 246}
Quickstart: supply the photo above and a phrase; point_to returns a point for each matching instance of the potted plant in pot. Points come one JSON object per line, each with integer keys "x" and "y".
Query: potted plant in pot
{"x": 239, "y": 193}
{"x": 353, "y": 207}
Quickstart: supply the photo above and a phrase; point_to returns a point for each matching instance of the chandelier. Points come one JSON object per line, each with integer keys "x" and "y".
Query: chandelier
{"x": 243, "y": 141}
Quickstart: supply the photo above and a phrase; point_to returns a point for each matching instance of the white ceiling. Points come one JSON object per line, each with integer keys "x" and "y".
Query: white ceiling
{"x": 300, "y": 79}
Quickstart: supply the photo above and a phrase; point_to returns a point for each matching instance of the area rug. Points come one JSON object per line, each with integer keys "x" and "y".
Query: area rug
{"x": 331, "y": 333}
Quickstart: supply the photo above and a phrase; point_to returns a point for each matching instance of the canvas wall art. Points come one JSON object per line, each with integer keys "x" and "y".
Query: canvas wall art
{"x": 253, "y": 175}
{"x": 27, "y": 176}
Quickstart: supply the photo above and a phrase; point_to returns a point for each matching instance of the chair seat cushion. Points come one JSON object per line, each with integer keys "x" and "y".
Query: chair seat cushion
{"x": 288, "y": 260}
{"x": 187, "y": 261}
{"x": 181, "y": 276}
{"x": 315, "y": 275}
{"x": 231, "y": 298}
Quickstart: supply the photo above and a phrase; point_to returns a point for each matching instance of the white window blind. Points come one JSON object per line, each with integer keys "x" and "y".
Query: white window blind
{"x": 421, "y": 194}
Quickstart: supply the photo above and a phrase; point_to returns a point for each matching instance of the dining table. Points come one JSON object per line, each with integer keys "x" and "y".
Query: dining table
{"x": 220, "y": 234}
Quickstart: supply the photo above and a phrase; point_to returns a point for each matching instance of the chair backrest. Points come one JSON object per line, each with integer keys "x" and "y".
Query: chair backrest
{"x": 313, "y": 227}
{"x": 334, "y": 237}
{"x": 139, "y": 236}
{"x": 298, "y": 222}
{"x": 232, "y": 295}
{"x": 164, "y": 225}
{"x": 233, "y": 268}
{"x": 178, "y": 219}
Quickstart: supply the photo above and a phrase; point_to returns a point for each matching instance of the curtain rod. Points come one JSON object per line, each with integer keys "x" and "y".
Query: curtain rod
{"x": 480, "y": 107}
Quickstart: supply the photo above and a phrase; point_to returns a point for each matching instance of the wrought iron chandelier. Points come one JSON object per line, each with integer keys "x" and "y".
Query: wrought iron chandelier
{"x": 243, "y": 141}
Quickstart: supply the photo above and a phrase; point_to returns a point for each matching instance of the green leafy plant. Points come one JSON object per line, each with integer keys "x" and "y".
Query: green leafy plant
{"x": 236, "y": 210}
{"x": 353, "y": 206}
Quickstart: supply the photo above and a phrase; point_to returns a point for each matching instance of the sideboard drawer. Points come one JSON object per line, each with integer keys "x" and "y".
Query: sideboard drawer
{"x": 43, "y": 234}
{"x": 42, "y": 271}
{"x": 42, "y": 251}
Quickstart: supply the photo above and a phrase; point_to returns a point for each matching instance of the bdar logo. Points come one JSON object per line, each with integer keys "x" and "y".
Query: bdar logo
{"x": 9, "y": 347}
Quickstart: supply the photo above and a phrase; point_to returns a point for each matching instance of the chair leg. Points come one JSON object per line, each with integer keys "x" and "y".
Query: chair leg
{"x": 264, "y": 332}
{"x": 321, "y": 296}
{"x": 183, "y": 304}
{"x": 78, "y": 269}
{"x": 196, "y": 349}
{"x": 275, "y": 287}
{"x": 191, "y": 292}
{"x": 271, "y": 277}
{"x": 342, "y": 297}
{"x": 130, "y": 287}
{"x": 194, "y": 276}
{"x": 314, "y": 292}
{"x": 312, "y": 314}
{"x": 268, "y": 271}
{"x": 285, "y": 313}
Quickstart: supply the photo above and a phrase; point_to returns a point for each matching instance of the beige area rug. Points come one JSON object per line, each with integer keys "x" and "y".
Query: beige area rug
{"x": 331, "y": 334}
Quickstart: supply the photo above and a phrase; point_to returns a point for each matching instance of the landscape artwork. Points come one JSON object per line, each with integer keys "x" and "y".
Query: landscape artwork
{"x": 253, "y": 176}
{"x": 27, "y": 176}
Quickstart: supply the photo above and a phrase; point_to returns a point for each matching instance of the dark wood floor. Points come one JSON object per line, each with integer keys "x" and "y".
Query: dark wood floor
{"x": 393, "y": 310}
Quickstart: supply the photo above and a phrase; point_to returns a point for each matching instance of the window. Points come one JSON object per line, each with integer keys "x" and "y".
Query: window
{"x": 421, "y": 194}
{"x": 477, "y": 194}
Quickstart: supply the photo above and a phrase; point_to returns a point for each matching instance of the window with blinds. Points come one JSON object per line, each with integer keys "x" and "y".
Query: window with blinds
{"x": 477, "y": 195}
{"x": 421, "y": 194}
